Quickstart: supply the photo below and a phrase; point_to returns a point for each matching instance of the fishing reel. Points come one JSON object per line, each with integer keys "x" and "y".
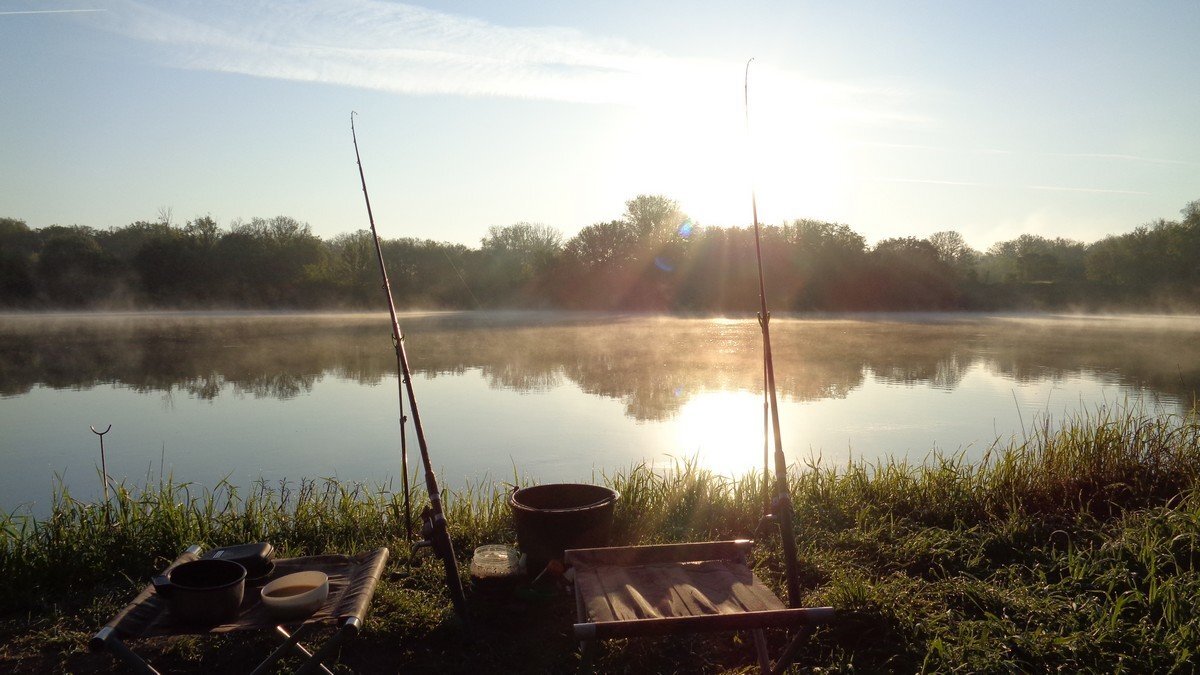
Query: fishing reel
{"x": 436, "y": 537}
{"x": 434, "y": 534}
{"x": 772, "y": 516}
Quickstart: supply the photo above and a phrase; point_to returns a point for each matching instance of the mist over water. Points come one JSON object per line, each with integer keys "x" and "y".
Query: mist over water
{"x": 547, "y": 396}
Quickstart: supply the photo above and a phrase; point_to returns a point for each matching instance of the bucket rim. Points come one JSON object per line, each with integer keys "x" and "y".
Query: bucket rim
{"x": 611, "y": 497}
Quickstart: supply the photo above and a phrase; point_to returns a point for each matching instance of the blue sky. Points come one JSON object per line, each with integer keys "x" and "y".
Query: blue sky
{"x": 1075, "y": 119}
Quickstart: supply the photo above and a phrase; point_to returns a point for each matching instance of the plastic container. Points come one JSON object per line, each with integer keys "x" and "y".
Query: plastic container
{"x": 495, "y": 570}
{"x": 558, "y": 516}
{"x": 258, "y": 559}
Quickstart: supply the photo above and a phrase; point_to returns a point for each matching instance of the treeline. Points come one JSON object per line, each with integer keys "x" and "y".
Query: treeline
{"x": 652, "y": 258}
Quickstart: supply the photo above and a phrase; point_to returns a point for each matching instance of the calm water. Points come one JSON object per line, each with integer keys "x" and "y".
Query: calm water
{"x": 549, "y": 396}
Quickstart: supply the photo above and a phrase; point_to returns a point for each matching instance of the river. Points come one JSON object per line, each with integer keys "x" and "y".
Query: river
{"x": 546, "y": 396}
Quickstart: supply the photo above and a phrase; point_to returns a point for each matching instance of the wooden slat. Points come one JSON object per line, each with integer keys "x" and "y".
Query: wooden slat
{"x": 627, "y": 599}
{"x": 692, "y": 600}
{"x": 590, "y": 589}
{"x": 782, "y": 618}
{"x": 736, "y": 549}
{"x": 753, "y": 594}
{"x": 612, "y": 593}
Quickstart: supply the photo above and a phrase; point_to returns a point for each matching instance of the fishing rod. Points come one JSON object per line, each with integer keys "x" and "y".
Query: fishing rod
{"x": 434, "y": 528}
{"x": 782, "y": 506}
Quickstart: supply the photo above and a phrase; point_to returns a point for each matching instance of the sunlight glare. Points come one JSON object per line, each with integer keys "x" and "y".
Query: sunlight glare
{"x": 723, "y": 431}
{"x": 695, "y": 149}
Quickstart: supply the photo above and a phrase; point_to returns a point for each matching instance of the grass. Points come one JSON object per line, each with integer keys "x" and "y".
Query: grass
{"x": 1076, "y": 549}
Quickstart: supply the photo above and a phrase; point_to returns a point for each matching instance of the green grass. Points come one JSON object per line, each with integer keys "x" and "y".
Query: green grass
{"x": 1076, "y": 550}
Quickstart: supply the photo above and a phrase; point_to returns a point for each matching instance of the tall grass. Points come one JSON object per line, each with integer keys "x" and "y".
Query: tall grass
{"x": 1074, "y": 549}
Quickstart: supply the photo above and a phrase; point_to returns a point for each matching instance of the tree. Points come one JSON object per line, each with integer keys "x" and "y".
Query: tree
{"x": 531, "y": 246}
{"x": 821, "y": 263}
{"x": 953, "y": 250}
{"x": 353, "y": 266}
{"x": 655, "y": 219}
{"x": 74, "y": 269}
{"x": 17, "y": 245}
{"x": 204, "y": 231}
{"x": 602, "y": 245}
{"x": 1033, "y": 258}
{"x": 515, "y": 258}
{"x": 908, "y": 273}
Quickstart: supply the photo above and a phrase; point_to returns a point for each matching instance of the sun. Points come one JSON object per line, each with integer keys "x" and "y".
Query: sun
{"x": 698, "y": 153}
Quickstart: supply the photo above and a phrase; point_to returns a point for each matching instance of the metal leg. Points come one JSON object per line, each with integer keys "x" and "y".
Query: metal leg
{"x": 289, "y": 642}
{"x": 118, "y": 648}
{"x": 760, "y": 646}
{"x": 793, "y": 646}
{"x": 315, "y": 661}
{"x": 587, "y": 660}
{"x": 293, "y": 644}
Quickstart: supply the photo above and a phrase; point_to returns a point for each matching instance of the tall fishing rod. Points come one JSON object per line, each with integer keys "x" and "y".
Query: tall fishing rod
{"x": 782, "y": 506}
{"x": 434, "y": 527}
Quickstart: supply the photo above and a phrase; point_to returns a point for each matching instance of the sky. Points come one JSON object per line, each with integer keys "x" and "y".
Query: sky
{"x": 994, "y": 119}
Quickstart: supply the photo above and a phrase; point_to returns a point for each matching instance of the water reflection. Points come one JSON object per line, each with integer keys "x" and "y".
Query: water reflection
{"x": 652, "y": 365}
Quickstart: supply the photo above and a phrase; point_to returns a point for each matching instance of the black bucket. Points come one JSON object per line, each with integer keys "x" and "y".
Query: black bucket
{"x": 559, "y": 516}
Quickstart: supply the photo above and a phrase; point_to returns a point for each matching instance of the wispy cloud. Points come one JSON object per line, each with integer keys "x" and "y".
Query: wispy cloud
{"x": 413, "y": 50}
{"x": 1050, "y": 188}
{"x": 49, "y": 11}
{"x": 1117, "y": 157}
{"x": 1104, "y": 191}
{"x": 932, "y": 182}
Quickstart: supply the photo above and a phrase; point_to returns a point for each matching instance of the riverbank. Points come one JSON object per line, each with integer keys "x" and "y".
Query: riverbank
{"x": 1076, "y": 549}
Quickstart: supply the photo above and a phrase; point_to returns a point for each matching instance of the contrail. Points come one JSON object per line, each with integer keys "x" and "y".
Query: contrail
{"x": 933, "y": 182}
{"x": 1051, "y": 188}
{"x": 997, "y": 151}
{"x": 1131, "y": 158}
{"x": 51, "y": 11}
{"x": 1077, "y": 189}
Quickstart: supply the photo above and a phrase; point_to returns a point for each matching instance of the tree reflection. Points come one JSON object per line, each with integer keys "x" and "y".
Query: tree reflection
{"x": 653, "y": 365}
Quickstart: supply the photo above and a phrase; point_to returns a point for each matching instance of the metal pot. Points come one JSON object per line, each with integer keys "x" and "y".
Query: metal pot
{"x": 203, "y": 592}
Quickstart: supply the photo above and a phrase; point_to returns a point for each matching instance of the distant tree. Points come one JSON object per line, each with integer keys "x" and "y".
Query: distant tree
{"x": 1034, "y": 258}
{"x": 1191, "y": 213}
{"x": 16, "y": 237}
{"x": 269, "y": 261}
{"x": 204, "y": 231}
{"x": 353, "y": 267}
{"x": 74, "y": 270}
{"x": 655, "y": 219}
{"x": 821, "y": 265}
{"x": 953, "y": 250}
{"x": 166, "y": 216}
{"x": 17, "y": 245}
{"x": 1164, "y": 254}
{"x": 909, "y": 273}
{"x": 123, "y": 243}
{"x": 532, "y": 247}
{"x": 602, "y": 245}
{"x": 514, "y": 260}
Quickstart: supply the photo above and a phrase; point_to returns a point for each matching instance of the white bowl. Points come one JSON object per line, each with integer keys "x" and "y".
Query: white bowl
{"x": 296, "y": 595}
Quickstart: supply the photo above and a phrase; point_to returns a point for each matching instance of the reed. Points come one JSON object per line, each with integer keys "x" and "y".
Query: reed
{"x": 1074, "y": 549}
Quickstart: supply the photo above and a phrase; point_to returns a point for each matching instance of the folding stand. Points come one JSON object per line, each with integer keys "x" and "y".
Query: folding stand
{"x": 641, "y": 591}
{"x": 352, "y": 581}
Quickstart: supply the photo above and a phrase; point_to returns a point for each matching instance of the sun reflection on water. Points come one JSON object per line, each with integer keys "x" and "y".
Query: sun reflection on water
{"x": 722, "y": 430}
